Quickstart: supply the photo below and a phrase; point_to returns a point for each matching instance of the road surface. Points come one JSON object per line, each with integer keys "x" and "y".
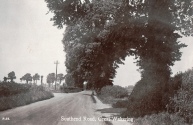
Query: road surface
{"x": 63, "y": 109}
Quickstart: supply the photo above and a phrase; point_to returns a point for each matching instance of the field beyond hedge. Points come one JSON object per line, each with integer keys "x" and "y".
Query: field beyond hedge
{"x": 14, "y": 95}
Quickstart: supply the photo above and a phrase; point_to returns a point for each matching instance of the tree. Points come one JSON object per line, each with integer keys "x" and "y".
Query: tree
{"x": 108, "y": 31}
{"x": 83, "y": 51}
{"x": 36, "y": 77}
{"x": 11, "y": 76}
{"x": 5, "y": 79}
{"x": 69, "y": 80}
{"x": 51, "y": 78}
{"x": 27, "y": 77}
{"x": 60, "y": 77}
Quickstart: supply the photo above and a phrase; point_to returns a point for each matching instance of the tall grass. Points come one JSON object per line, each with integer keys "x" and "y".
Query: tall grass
{"x": 18, "y": 95}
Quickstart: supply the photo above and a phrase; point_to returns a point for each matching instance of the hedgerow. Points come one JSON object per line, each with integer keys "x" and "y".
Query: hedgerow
{"x": 14, "y": 95}
{"x": 182, "y": 102}
{"x": 114, "y": 91}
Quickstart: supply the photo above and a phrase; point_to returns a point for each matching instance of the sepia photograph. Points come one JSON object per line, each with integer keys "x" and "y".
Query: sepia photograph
{"x": 96, "y": 62}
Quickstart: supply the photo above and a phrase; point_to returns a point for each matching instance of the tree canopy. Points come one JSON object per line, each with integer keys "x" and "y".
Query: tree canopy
{"x": 36, "y": 77}
{"x": 100, "y": 34}
{"x": 27, "y": 77}
{"x": 105, "y": 32}
{"x": 51, "y": 77}
{"x": 11, "y": 76}
{"x": 60, "y": 77}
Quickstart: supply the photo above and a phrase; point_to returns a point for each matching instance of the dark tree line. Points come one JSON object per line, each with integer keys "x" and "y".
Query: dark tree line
{"x": 101, "y": 34}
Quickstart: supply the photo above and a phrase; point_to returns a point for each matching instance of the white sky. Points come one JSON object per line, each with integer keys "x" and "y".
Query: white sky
{"x": 28, "y": 41}
{"x": 30, "y": 44}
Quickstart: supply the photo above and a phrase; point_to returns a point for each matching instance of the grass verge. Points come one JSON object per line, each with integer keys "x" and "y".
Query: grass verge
{"x": 33, "y": 94}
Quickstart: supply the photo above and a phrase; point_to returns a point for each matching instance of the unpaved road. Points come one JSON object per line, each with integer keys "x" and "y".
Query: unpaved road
{"x": 49, "y": 112}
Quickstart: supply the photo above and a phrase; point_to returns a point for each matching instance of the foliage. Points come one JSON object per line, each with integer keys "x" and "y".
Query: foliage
{"x": 70, "y": 89}
{"x": 27, "y": 77}
{"x": 107, "y": 99}
{"x": 51, "y": 78}
{"x": 100, "y": 34}
{"x": 120, "y": 104}
{"x": 112, "y": 94}
{"x": 36, "y": 77}
{"x": 175, "y": 83}
{"x": 14, "y": 95}
{"x": 60, "y": 77}
{"x": 129, "y": 88}
{"x": 11, "y": 76}
{"x": 147, "y": 100}
{"x": 114, "y": 91}
{"x": 160, "y": 119}
{"x": 181, "y": 102}
{"x": 5, "y": 79}
{"x": 8, "y": 89}
{"x": 94, "y": 22}
{"x": 69, "y": 80}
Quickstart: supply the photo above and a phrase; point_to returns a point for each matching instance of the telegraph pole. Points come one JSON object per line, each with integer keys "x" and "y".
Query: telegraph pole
{"x": 56, "y": 71}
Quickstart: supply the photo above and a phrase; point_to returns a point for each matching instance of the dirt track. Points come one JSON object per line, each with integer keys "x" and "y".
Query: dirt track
{"x": 49, "y": 112}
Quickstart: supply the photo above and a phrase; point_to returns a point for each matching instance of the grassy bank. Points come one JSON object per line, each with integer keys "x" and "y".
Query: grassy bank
{"x": 116, "y": 96}
{"x": 113, "y": 94}
{"x": 14, "y": 95}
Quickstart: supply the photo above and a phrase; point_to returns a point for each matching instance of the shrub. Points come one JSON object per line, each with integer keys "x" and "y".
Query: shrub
{"x": 145, "y": 99}
{"x": 182, "y": 102}
{"x": 114, "y": 91}
{"x": 8, "y": 89}
{"x": 21, "y": 95}
{"x": 121, "y": 104}
{"x": 160, "y": 119}
{"x": 70, "y": 89}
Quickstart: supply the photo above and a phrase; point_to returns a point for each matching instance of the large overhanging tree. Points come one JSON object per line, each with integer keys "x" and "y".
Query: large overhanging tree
{"x": 101, "y": 33}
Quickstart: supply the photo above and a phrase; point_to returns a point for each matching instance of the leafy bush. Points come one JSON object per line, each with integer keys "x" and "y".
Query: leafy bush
{"x": 145, "y": 93}
{"x": 114, "y": 91}
{"x": 145, "y": 99}
{"x": 175, "y": 83}
{"x": 160, "y": 119}
{"x": 70, "y": 89}
{"x": 182, "y": 102}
